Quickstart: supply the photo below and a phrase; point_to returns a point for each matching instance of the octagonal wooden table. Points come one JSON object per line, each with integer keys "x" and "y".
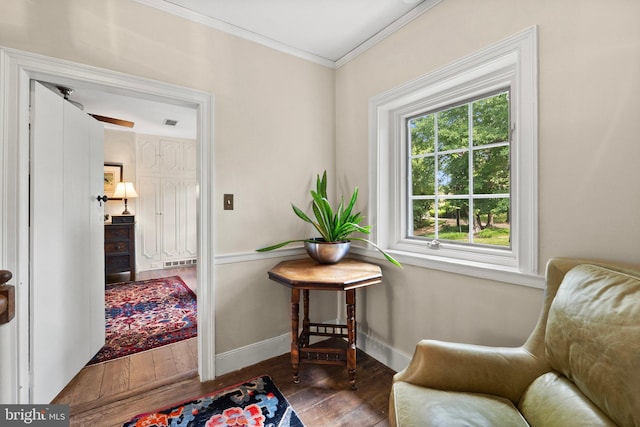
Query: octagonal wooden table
{"x": 306, "y": 274}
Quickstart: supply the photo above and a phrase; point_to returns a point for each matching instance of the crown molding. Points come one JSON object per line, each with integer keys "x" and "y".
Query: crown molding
{"x": 217, "y": 24}
{"x": 387, "y": 31}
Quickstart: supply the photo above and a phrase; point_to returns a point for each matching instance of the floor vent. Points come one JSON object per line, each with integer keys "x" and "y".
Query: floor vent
{"x": 180, "y": 263}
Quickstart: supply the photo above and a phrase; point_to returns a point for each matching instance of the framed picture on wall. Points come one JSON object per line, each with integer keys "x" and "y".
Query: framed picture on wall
{"x": 112, "y": 176}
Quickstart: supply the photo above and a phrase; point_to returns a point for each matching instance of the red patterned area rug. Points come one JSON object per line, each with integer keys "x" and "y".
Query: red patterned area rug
{"x": 146, "y": 314}
{"x": 256, "y": 402}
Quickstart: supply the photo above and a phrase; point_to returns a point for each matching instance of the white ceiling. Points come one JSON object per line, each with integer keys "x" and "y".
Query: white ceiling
{"x": 328, "y": 29}
{"x": 148, "y": 116}
{"x": 329, "y": 32}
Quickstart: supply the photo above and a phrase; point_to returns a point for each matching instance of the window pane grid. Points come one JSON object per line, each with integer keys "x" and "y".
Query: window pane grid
{"x": 445, "y": 157}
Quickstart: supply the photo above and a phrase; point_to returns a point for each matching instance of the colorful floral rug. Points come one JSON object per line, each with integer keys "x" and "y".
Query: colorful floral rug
{"x": 146, "y": 314}
{"x": 256, "y": 402}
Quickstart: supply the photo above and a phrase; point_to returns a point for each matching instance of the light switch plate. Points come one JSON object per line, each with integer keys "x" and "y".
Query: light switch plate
{"x": 228, "y": 202}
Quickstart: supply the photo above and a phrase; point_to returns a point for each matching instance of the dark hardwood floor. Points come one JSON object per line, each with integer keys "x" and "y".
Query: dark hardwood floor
{"x": 111, "y": 393}
{"x": 322, "y": 398}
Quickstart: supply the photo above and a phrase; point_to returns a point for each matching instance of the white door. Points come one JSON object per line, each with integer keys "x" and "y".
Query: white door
{"x": 170, "y": 209}
{"x": 148, "y": 256}
{"x": 147, "y": 156}
{"x": 190, "y": 218}
{"x": 66, "y": 242}
{"x": 171, "y": 158}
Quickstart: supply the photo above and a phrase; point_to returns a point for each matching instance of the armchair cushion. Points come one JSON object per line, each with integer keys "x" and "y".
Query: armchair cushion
{"x": 415, "y": 405}
{"x": 554, "y": 401}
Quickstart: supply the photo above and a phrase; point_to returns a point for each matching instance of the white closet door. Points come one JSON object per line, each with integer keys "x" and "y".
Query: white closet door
{"x": 190, "y": 215}
{"x": 171, "y": 158}
{"x": 170, "y": 218}
{"x": 148, "y": 157}
{"x": 149, "y": 220}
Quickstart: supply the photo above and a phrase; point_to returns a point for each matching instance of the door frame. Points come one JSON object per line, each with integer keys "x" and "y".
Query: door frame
{"x": 17, "y": 69}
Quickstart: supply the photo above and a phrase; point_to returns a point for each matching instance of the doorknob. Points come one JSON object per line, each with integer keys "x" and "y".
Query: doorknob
{"x": 7, "y": 298}
{"x": 102, "y": 199}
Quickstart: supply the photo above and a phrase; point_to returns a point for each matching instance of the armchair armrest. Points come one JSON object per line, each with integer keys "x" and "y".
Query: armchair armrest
{"x": 499, "y": 371}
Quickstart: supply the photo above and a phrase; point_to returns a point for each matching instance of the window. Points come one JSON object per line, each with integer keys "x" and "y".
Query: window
{"x": 458, "y": 171}
{"x": 454, "y": 164}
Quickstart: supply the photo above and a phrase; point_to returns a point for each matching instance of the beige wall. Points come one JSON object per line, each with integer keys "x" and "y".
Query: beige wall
{"x": 589, "y": 87}
{"x": 274, "y": 128}
{"x": 274, "y": 115}
{"x": 120, "y": 147}
{"x": 279, "y": 120}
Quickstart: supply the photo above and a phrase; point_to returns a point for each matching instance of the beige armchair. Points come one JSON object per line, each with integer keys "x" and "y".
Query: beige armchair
{"x": 579, "y": 367}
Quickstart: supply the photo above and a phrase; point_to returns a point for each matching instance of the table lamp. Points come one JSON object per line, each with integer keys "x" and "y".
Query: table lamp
{"x": 125, "y": 190}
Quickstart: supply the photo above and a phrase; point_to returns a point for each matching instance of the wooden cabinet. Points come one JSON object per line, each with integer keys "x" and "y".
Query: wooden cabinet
{"x": 119, "y": 250}
{"x": 166, "y": 207}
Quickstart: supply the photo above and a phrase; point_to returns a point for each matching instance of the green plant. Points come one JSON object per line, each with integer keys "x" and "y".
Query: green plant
{"x": 333, "y": 226}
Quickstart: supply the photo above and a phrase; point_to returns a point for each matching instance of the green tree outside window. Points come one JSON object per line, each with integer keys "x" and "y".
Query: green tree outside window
{"x": 459, "y": 160}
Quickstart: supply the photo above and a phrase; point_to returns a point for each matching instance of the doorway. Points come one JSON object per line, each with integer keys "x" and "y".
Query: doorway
{"x": 22, "y": 67}
{"x": 131, "y": 155}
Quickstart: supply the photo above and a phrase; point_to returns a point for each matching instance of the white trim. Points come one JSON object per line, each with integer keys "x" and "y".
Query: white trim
{"x": 18, "y": 68}
{"x": 475, "y": 270}
{"x": 511, "y": 62}
{"x": 217, "y": 24}
{"x": 8, "y": 338}
{"x": 510, "y": 276}
{"x": 210, "y": 22}
{"x": 387, "y": 31}
{"x": 255, "y": 256}
{"x": 251, "y": 354}
{"x": 382, "y": 352}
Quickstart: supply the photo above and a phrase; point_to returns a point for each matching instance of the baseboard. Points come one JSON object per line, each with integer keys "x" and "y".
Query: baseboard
{"x": 251, "y": 354}
{"x": 382, "y": 352}
{"x": 257, "y": 352}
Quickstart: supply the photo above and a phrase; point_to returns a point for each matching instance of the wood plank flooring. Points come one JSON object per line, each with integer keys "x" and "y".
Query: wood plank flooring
{"x": 127, "y": 376}
{"x": 111, "y": 393}
{"x": 117, "y": 379}
{"x": 322, "y": 398}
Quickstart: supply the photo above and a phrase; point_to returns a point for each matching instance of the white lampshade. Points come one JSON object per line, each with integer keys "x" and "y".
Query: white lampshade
{"x": 125, "y": 190}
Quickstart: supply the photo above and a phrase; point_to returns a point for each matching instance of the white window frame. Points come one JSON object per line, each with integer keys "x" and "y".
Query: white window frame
{"x": 511, "y": 64}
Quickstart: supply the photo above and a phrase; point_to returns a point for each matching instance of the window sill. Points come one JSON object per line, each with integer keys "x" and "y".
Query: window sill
{"x": 468, "y": 268}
